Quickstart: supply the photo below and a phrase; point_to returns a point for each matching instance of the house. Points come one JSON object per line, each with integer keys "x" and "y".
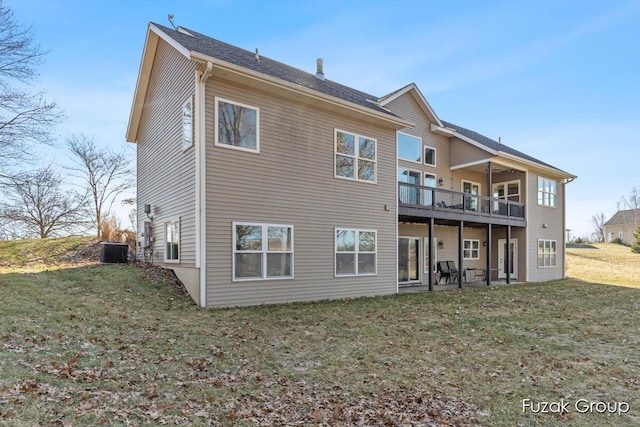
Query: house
{"x": 260, "y": 183}
{"x": 622, "y": 226}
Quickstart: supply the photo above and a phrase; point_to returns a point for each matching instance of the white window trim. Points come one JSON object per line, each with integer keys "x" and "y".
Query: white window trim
{"x": 465, "y": 181}
{"x": 216, "y": 101}
{"x": 549, "y": 254}
{"x": 356, "y": 251}
{"x": 420, "y": 174}
{"x": 435, "y": 156}
{"x": 356, "y": 157}
{"x": 264, "y": 251}
{"x": 426, "y": 254}
{"x": 191, "y": 144}
{"x": 420, "y": 258}
{"x": 177, "y": 224}
{"x": 435, "y": 179}
{"x": 555, "y": 194}
{"x": 471, "y": 249}
{"x": 420, "y": 144}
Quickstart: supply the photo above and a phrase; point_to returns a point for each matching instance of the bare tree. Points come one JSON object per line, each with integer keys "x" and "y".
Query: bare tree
{"x": 106, "y": 175}
{"x": 598, "y": 222}
{"x": 37, "y": 203}
{"x": 629, "y": 206}
{"x": 26, "y": 118}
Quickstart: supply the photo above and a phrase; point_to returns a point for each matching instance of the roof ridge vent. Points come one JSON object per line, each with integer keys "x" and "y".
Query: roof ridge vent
{"x": 320, "y": 69}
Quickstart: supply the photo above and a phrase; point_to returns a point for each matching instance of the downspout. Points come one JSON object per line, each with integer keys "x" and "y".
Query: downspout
{"x": 201, "y": 199}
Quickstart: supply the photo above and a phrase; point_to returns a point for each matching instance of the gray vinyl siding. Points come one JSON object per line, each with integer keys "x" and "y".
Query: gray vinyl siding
{"x": 291, "y": 181}
{"x": 553, "y": 218}
{"x": 463, "y": 153}
{"x": 166, "y": 173}
{"x": 408, "y": 108}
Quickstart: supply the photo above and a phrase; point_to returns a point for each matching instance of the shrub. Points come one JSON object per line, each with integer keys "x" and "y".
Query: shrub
{"x": 635, "y": 247}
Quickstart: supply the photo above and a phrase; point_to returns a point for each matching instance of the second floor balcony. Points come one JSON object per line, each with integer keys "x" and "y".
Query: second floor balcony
{"x": 431, "y": 202}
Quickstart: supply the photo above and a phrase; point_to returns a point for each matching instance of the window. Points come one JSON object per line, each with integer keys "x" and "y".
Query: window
{"x": 429, "y": 156}
{"x": 507, "y": 191}
{"x": 434, "y": 246}
{"x": 547, "y": 253}
{"x": 355, "y": 157}
{"x": 473, "y": 189}
{"x": 172, "y": 239}
{"x": 262, "y": 251}
{"x": 356, "y": 252}
{"x": 237, "y": 126}
{"x": 408, "y": 259}
{"x": 409, "y": 147}
{"x": 471, "y": 249}
{"x": 620, "y": 235}
{"x": 408, "y": 194}
{"x": 187, "y": 125}
{"x": 546, "y": 192}
{"x": 429, "y": 181}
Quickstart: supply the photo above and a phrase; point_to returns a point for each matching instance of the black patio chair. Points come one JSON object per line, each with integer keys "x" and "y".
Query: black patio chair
{"x": 444, "y": 271}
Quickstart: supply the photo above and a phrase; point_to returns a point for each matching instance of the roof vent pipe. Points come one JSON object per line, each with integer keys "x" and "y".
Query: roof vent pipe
{"x": 319, "y": 69}
{"x": 257, "y": 55}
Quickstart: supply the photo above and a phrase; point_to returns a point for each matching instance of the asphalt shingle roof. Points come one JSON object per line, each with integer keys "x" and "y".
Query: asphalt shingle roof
{"x": 628, "y": 216}
{"x": 232, "y": 54}
{"x": 244, "y": 58}
{"x": 493, "y": 144}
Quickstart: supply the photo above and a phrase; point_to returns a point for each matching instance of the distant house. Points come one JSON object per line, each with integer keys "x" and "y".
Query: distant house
{"x": 261, "y": 183}
{"x": 622, "y": 226}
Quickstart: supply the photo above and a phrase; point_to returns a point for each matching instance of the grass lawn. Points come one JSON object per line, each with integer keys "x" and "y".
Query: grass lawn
{"x": 98, "y": 344}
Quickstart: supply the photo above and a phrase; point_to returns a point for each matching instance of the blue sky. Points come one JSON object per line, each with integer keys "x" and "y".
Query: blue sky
{"x": 559, "y": 80}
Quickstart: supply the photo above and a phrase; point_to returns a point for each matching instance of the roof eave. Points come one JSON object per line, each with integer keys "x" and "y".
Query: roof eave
{"x": 148, "y": 56}
{"x": 565, "y": 176}
{"x": 431, "y": 114}
{"x": 283, "y": 84}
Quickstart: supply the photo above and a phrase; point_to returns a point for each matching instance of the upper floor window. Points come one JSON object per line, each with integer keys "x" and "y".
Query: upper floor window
{"x": 355, "y": 157}
{"x": 546, "y": 192}
{"x": 237, "y": 125}
{"x": 172, "y": 241}
{"x": 187, "y": 124}
{"x": 409, "y": 147}
{"x": 262, "y": 251}
{"x": 429, "y": 156}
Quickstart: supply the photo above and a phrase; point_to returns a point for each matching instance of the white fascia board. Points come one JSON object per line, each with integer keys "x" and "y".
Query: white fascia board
{"x": 452, "y": 133}
{"x": 425, "y": 104}
{"x": 142, "y": 84}
{"x": 177, "y": 46}
{"x": 557, "y": 172}
{"x": 475, "y": 143}
{"x": 470, "y": 164}
{"x": 144, "y": 73}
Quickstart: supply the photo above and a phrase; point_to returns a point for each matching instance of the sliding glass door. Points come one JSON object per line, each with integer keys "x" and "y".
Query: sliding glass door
{"x": 408, "y": 259}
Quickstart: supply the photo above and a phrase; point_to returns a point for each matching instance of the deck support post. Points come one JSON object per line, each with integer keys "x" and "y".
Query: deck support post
{"x": 507, "y": 254}
{"x": 430, "y": 249}
{"x": 460, "y": 253}
{"x": 488, "y": 255}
